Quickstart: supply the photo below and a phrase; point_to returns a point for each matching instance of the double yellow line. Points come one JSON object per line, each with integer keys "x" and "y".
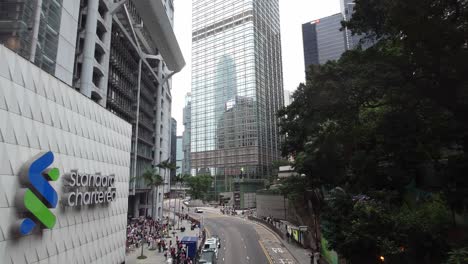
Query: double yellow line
{"x": 266, "y": 252}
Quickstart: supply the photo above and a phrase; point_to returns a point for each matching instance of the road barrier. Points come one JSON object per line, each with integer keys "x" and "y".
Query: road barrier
{"x": 270, "y": 226}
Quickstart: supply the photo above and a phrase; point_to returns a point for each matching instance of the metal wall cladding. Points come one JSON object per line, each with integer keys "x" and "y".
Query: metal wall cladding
{"x": 40, "y": 113}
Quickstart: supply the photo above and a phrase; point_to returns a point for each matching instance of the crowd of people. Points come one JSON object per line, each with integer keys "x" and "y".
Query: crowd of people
{"x": 154, "y": 233}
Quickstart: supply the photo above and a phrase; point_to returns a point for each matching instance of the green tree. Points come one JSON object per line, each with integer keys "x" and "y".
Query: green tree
{"x": 377, "y": 122}
{"x": 458, "y": 256}
{"x": 152, "y": 180}
{"x": 199, "y": 186}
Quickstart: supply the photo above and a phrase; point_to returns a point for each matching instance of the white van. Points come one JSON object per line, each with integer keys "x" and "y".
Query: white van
{"x": 212, "y": 244}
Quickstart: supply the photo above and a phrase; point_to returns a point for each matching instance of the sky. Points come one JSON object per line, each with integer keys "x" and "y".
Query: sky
{"x": 293, "y": 13}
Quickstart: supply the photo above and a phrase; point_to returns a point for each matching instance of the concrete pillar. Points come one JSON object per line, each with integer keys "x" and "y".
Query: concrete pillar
{"x": 86, "y": 86}
{"x": 136, "y": 206}
{"x": 35, "y": 33}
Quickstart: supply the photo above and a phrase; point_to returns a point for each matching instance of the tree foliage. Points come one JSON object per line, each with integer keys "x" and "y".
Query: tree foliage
{"x": 199, "y": 186}
{"x": 388, "y": 126}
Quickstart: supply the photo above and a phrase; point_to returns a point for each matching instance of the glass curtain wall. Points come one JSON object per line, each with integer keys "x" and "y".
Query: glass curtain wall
{"x": 236, "y": 88}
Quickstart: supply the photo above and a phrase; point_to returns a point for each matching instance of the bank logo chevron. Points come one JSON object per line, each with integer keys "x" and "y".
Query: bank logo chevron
{"x": 40, "y": 196}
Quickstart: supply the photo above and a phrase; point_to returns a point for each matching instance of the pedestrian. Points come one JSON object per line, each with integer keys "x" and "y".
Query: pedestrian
{"x": 288, "y": 236}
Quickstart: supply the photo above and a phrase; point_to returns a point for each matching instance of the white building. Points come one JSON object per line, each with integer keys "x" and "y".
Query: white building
{"x": 40, "y": 114}
{"x": 120, "y": 54}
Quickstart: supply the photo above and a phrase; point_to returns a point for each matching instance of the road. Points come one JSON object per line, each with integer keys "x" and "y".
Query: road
{"x": 239, "y": 239}
{"x": 243, "y": 241}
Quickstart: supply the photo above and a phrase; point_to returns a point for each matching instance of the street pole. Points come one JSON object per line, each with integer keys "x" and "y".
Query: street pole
{"x": 135, "y": 153}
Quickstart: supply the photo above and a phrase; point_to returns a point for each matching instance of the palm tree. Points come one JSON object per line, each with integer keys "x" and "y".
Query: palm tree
{"x": 171, "y": 166}
{"x": 152, "y": 180}
{"x": 179, "y": 179}
{"x": 163, "y": 166}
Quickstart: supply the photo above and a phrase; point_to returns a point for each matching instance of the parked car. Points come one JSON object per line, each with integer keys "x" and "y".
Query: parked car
{"x": 198, "y": 210}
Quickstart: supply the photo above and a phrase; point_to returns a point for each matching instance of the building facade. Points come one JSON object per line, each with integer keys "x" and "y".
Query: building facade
{"x": 37, "y": 30}
{"x": 288, "y": 98}
{"x": 186, "y": 135}
{"x": 237, "y": 87}
{"x": 323, "y": 40}
{"x": 120, "y": 54}
{"x": 174, "y": 142}
{"x": 179, "y": 156}
{"x": 45, "y": 123}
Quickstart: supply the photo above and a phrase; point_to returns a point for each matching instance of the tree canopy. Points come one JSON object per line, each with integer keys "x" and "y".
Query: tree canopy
{"x": 199, "y": 186}
{"x": 388, "y": 126}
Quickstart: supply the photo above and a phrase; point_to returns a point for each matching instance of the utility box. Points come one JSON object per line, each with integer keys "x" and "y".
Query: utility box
{"x": 192, "y": 245}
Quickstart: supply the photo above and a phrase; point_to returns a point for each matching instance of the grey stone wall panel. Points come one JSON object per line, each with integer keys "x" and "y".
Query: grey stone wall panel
{"x": 40, "y": 113}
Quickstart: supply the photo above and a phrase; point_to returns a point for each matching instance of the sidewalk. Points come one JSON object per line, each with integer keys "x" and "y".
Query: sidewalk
{"x": 153, "y": 256}
{"x": 301, "y": 254}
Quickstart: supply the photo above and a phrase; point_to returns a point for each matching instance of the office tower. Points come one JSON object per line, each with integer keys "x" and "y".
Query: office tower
{"x": 97, "y": 47}
{"x": 323, "y": 40}
{"x": 237, "y": 89}
{"x": 288, "y": 99}
{"x": 173, "y": 150}
{"x": 186, "y": 135}
{"x": 179, "y": 155}
{"x": 37, "y": 30}
{"x": 160, "y": 58}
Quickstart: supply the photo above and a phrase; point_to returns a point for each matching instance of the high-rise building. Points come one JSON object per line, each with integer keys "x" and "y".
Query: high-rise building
{"x": 237, "y": 88}
{"x": 120, "y": 54}
{"x": 288, "y": 99}
{"x": 323, "y": 40}
{"x": 173, "y": 145}
{"x": 179, "y": 155}
{"x": 37, "y": 30}
{"x": 186, "y": 135}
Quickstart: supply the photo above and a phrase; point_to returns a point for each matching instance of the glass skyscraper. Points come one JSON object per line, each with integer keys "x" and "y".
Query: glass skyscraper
{"x": 237, "y": 89}
{"x": 323, "y": 40}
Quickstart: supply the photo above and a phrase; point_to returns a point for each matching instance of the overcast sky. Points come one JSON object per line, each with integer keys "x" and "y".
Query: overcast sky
{"x": 293, "y": 13}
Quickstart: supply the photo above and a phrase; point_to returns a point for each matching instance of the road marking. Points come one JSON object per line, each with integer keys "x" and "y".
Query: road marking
{"x": 277, "y": 250}
{"x": 208, "y": 233}
{"x": 265, "y": 252}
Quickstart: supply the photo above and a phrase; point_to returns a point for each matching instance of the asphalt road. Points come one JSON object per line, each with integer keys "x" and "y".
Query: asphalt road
{"x": 239, "y": 239}
{"x": 242, "y": 241}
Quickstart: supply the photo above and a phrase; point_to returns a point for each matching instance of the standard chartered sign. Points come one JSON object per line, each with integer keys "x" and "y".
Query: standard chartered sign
{"x": 88, "y": 189}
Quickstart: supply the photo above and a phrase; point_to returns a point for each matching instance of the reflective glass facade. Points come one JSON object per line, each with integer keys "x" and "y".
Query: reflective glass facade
{"x": 17, "y": 21}
{"x": 323, "y": 40}
{"x": 237, "y": 88}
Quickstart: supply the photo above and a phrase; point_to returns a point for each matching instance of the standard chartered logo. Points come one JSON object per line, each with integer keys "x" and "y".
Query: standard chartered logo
{"x": 88, "y": 189}
{"x": 78, "y": 189}
{"x": 40, "y": 196}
